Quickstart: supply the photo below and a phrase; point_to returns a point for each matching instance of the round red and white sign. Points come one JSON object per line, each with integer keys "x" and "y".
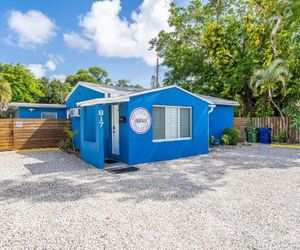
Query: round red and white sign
{"x": 140, "y": 120}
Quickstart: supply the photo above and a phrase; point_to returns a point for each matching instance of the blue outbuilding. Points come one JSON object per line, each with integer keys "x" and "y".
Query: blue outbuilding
{"x": 38, "y": 110}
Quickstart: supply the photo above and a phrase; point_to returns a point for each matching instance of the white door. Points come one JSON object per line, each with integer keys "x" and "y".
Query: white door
{"x": 115, "y": 129}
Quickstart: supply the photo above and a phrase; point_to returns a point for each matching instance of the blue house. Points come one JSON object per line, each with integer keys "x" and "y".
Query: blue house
{"x": 149, "y": 125}
{"x": 137, "y": 125}
{"x": 38, "y": 110}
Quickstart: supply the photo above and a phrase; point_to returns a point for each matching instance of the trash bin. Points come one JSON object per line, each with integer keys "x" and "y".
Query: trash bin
{"x": 264, "y": 135}
{"x": 251, "y": 134}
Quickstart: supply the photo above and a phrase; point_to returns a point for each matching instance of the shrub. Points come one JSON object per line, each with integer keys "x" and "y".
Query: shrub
{"x": 211, "y": 140}
{"x": 281, "y": 138}
{"x": 69, "y": 142}
{"x": 233, "y": 134}
{"x": 225, "y": 139}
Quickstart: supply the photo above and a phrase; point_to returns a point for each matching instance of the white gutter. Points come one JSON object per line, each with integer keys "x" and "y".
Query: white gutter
{"x": 211, "y": 108}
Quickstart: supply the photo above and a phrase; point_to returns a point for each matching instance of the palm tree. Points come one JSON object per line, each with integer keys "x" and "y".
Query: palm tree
{"x": 5, "y": 92}
{"x": 268, "y": 79}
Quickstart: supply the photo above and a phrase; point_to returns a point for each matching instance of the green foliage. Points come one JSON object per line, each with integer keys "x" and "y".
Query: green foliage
{"x": 233, "y": 136}
{"x": 293, "y": 111}
{"x": 281, "y": 138}
{"x": 226, "y": 139}
{"x": 69, "y": 142}
{"x": 24, "y": 86}
{"x": 211, "y": 140}
{"x": 126, "y": 84}
{"x": 93, "y": 74}
{"x": 5, "y": 92}
{"x": 214, "y": 47}
{"x": 55, "y": 91}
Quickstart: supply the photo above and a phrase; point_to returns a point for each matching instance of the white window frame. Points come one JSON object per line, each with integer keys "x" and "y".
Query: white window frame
{"x": 49, "y": 113}
{"x": 178, "y": 117}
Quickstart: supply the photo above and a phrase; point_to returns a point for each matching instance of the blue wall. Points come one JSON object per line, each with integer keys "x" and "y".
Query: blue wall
{"x": 142, "y": 149}
{"x": 37, "y": 112}
{"x": 222, "y": 117}
{"x": 79, "y": 95}
{"x": 92, "y": 152}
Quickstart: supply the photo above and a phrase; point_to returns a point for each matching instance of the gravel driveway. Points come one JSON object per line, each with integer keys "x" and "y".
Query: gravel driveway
{"x": 232, "y": 198}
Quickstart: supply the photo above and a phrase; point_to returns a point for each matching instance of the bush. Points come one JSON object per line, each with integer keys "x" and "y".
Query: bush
{"x": 69, "y": 142}
{"x": 233, "y": 134}
{"x": 281, "y": 138}
{"x": 211, "y": 140}
{"x": 225, "y": 139}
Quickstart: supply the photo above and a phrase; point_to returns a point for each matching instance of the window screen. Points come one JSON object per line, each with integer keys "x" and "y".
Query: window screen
{"x": 49, "y": 115}
{"x": 185, "y": 122}
{"x": 159, "y": 129}
{"x": 171, "y": 122}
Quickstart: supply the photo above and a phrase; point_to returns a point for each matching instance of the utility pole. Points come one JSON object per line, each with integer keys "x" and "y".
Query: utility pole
{"x": 157, "y": 72}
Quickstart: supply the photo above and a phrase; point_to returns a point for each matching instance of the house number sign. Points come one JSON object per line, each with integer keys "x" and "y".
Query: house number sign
{"x": 140, "y": 120}
{"x": 101, "y": 113}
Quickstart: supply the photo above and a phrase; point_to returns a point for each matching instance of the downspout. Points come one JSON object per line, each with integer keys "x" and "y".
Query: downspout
{"x": 211, "y": 108}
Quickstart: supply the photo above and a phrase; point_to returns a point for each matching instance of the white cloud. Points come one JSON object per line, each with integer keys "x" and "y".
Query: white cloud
{"x": 76, "y": 41}
{"x": 37, "y": 69}
{"x": 30, "y": 29}
{"x": 40, "y": 70}
{"x": 60, "y": 77}
{"x": 114, "y": 36}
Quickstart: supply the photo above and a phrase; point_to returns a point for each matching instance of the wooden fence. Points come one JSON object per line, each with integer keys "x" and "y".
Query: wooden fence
{"x": 31, "y": 133}
{"x": 271, "y": 122}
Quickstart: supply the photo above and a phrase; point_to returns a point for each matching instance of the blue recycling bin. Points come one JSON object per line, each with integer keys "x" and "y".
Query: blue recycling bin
{"x": 264, "y": 135}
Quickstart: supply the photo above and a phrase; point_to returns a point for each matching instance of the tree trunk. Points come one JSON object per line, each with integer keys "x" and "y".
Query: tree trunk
{"x": 273, "y": 34}
{"x": 281, "y": 114}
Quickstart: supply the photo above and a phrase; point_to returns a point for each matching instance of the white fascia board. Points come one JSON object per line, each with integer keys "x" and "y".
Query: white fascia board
{"x": 36, "y": 105}
{"x": 169, "y": 87}
{"x": 103, "y": 101}
{"x": 101, "y": 90}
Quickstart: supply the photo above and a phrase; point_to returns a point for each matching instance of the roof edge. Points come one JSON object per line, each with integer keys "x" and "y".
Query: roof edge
{"x": 35, "y": 105}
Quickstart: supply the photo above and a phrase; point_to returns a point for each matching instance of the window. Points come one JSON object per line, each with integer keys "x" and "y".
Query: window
{"x": 49, "y": 115}
{"x": 74, "y": 112}
{"x": 171, "y": 123}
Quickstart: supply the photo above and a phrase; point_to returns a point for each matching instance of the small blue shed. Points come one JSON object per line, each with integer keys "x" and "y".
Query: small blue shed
{"x": 221, "y": 116}
{"x": 146, "y": 126}
{"x": 38, "y": 110}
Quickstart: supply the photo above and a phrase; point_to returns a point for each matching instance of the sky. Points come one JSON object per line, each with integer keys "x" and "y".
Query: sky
{"x": 56, "y": 38}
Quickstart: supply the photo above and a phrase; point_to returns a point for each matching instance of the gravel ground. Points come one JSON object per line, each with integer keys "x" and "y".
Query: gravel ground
{"x": 232, "y": 198}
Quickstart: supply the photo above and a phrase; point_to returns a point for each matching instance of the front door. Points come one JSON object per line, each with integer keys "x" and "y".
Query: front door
{"x": 115, "y": 129}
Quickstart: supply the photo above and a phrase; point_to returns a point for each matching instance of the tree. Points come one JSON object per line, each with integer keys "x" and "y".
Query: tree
{"x": 55, "y": 91}
{"x": 5, "y": 92}
{"x": 267, "y": 80}
{"x": 93, "y": 74}
{"x": 24, "y": 85}
{"x": 214, "y": 45}
{"x": 126, "y": 84}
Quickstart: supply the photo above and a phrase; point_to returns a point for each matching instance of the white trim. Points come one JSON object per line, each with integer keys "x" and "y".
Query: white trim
{"x": 36, "y": 105}
{"x": 169, "y": 87}
{"x": 178, "y": 123}
{"x": 175, "y": 139}
{"x": 100, "y": 100}
{"x": 48, "y": 113}
{"x": 87, "y": 86}
{"x": 115, "y": 137}
{"x": 103, "y": 101}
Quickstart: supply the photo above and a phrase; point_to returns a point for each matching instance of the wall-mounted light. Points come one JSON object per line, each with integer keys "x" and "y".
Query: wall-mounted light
{"x": 31, "y": 110}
